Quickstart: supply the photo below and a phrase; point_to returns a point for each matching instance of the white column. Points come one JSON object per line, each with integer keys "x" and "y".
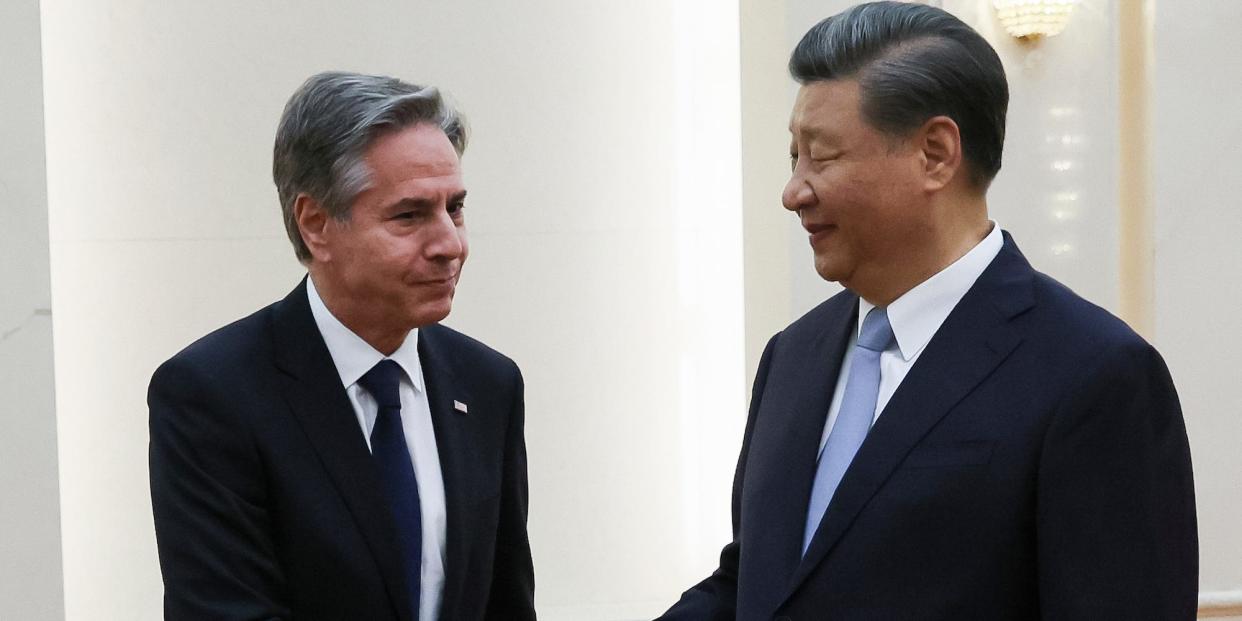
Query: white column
{"x": 30, "y": 573}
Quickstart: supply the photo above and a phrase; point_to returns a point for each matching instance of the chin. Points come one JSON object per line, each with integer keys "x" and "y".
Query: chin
{"x": 428, "y": 314}
{"x": 828, "y": 270}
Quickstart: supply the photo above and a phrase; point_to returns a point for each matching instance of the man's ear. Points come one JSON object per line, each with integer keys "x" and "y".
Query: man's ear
{"x": 313, "y": 221}
{"x": 941, "y": 143}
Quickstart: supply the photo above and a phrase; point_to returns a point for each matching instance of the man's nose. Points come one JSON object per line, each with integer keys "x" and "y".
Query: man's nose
{"x": 443, "y": 238}
{"x": 798, "y": 193}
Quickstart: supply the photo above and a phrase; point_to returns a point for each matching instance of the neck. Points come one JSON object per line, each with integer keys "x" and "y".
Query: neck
{"x": 955, "y": 230}
{"x": 361, "y": 320}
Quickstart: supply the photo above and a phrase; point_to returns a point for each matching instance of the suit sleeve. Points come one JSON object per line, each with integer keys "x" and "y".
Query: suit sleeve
{"x": 715, "y": 599}
{"x": 512, "y": 594}
{"x": 212, "y": 522}
{"x": 1115, "y": 522}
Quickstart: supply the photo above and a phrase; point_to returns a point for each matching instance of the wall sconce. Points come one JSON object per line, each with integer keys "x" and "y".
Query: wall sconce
{"x": 1032, "y": 19}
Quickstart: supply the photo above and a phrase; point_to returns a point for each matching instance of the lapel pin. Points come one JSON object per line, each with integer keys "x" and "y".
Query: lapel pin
{"x": 460, "y": 407}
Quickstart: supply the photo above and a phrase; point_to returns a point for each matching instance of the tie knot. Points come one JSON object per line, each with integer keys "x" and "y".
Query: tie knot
{"x": 876, "y": 333}
{"x": 382, "y": 381}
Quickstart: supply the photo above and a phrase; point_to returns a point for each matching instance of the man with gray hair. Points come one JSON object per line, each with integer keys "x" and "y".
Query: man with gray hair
{"x": 955, "y": 436}
{"x": 339, "y": 454}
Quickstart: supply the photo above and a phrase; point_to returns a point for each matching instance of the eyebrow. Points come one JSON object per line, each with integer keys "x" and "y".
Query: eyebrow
{"x": 424, "y": 203}
{"x": 832, "y": 141}
{"x": 816, "y": 133}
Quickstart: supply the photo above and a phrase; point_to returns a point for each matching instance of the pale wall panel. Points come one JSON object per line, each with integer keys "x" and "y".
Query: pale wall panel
{"x": 1197, "y": 134}
{"x": 1057, "y": 189}
{"x": 766, "y": 234}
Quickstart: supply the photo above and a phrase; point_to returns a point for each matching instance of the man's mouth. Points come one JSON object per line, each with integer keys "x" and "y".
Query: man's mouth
{"x": 438, "y": 282}
{"x": 818, "y": 232}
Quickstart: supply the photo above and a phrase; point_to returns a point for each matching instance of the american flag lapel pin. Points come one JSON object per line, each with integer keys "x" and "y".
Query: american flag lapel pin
{"x": 460, "y": 407}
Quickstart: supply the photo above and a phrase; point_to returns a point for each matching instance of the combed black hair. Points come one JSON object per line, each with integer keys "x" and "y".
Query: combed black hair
{"x": 914, "y": 62}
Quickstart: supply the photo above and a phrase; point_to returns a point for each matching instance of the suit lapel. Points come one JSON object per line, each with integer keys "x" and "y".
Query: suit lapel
{"x": 312, "y": 388}
{"x": 782, "y": 458}
{"x": 455, "y": 442}
{"x": 974, "y": 339}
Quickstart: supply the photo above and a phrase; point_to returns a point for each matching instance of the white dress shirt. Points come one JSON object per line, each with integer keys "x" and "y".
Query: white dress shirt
{"x": 353, "y": 358}
{"x": 915, "y": 317}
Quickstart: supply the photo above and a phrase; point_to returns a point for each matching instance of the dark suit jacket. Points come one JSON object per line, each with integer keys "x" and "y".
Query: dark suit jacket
{"x": 267, "y": 503}
{"x": 1033, "y": 464}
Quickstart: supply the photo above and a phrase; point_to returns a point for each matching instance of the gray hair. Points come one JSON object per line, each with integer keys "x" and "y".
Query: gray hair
{"x": 326, "y": 128}
{"x": 914, "y": 62}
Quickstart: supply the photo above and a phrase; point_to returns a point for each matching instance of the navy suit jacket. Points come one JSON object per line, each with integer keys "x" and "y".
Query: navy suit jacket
{"x": 1033, "y": 464}
{"x": 268, "y": 506}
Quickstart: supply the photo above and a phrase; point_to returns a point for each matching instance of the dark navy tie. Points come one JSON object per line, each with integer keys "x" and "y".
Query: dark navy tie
{"x": 392, "y": 457}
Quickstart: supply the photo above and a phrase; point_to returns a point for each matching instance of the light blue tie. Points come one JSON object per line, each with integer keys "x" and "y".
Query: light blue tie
{"x": 853, "y": 419}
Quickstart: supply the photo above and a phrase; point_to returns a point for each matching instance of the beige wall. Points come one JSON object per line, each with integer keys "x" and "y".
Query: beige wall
{"x": 30, "y": 558}
{"x": 765, "y": 169}
{"x": 1196, "y": 138}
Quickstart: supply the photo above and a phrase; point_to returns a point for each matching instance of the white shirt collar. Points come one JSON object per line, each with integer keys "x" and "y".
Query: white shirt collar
{"x": 352, "y": 355}
{"x": 918, "y": 313}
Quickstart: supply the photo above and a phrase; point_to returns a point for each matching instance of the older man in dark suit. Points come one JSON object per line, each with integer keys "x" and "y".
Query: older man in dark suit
{"x": 339, "y": 454}
{"x": 956, "y": 435}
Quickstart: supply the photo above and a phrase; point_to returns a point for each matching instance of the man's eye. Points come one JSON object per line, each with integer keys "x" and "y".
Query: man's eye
{"x": 456, "y": 207}
{"x": 404, "y": 215}
{"x": 793, "y": 160}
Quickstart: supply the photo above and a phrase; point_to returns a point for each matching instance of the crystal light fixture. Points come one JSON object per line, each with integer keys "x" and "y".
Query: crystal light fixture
{"x": 1032, "y": 19}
